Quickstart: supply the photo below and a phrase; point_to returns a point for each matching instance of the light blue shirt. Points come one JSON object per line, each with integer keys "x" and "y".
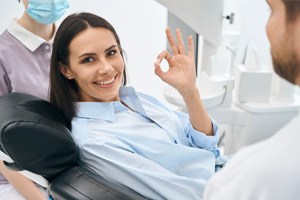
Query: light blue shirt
{"x": 148, "y": 148}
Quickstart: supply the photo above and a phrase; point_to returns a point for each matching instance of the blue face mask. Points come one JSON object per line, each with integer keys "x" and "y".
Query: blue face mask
{"x": 46, "y": 11}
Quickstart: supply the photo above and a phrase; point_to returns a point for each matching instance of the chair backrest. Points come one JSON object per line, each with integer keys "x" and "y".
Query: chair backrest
{"x": 35, "y": 136}
{"x": 27, "y": 121}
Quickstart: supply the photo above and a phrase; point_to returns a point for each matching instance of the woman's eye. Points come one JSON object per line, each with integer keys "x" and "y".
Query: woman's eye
{"x": 87, "y": 60}
{"x": 111, "y": 53}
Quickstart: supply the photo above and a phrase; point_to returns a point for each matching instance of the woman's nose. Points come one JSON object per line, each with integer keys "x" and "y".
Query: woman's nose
{"x": 105, "y": 67}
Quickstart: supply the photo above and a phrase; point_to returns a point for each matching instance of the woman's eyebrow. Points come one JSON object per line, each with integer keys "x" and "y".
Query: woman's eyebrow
{"x": 110, "y": 48}
{"x": 91, "y": 54}
{"x": 86, "y": 54}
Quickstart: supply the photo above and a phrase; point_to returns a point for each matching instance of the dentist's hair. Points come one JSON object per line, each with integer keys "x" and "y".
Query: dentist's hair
{"x": 64, "y": 92}
{"x": 292, "y": 10}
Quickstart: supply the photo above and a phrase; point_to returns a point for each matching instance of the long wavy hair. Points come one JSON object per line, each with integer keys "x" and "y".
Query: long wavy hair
{"x": 64, "y": 93}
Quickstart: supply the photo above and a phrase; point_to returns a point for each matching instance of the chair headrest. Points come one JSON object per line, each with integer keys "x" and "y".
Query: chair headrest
{"x": 35, "y": 135}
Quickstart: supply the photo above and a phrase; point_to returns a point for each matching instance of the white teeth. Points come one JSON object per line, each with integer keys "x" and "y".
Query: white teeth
{"x": 105, "y": 82}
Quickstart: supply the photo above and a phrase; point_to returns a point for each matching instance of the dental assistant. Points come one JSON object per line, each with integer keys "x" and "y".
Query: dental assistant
{"x": 25, "y": 51}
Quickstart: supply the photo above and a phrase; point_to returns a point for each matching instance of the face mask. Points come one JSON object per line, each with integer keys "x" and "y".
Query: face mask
{"x": 46, "y": 11}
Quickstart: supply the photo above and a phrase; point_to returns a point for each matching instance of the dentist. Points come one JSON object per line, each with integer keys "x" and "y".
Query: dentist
{"x": 25, "y": 51}
{"x": 269, "y": 170}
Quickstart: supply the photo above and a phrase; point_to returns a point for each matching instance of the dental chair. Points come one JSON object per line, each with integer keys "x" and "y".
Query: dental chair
{"x": 35, "y": 140}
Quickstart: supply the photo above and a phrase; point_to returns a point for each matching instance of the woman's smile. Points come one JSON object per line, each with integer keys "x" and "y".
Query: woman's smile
{"x": 108, "y": 83}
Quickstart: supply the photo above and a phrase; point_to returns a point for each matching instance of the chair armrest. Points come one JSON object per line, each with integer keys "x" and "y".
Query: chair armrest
{"x": 78, "y": 183}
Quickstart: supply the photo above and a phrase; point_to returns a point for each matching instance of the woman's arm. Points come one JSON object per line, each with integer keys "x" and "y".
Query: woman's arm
{"x": 23, "y": 185}
{"x": 152, "y": 180}
{"x": 182, "y": 76}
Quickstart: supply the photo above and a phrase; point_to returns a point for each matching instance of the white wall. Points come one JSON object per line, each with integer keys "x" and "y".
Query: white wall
{"x": 8, "y": 10}
{"x": 251, "y": 20}
{"x": 140, "y": 25}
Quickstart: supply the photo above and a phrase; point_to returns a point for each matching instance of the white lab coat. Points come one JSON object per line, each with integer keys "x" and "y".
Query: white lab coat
{"x": 268, "y": 170}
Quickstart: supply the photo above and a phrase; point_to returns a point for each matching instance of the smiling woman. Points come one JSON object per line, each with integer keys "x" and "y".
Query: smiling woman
{"x": 127, "y": 137}
{"x": 96, "y": 67}
{"x": 86, "y": 61}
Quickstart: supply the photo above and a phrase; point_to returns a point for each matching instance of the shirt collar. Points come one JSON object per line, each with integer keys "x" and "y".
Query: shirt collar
{"x": 27, "y": 38}
{"x": 107, "y": 110}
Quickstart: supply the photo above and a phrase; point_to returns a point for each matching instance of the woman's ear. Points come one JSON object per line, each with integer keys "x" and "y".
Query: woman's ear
{"x": 65, "y": 71}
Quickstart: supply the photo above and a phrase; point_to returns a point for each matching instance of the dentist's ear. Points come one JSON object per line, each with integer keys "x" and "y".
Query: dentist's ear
{"x": 65, "y": 71}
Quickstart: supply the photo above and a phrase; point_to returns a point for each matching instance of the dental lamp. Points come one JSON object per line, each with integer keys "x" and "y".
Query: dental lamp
{"x": 205, "y": 17}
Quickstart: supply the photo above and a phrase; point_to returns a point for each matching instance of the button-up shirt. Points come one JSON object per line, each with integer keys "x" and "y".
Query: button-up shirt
{"x": 145, "y": 146}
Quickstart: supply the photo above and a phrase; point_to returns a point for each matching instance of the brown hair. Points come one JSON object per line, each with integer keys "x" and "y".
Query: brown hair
{"x": 292, "y": 9}
{"x": 64, "y": 92}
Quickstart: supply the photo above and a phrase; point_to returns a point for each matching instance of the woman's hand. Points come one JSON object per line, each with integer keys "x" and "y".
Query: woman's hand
{"x": 182, "y": 76}
{"x": 181, "y": 73}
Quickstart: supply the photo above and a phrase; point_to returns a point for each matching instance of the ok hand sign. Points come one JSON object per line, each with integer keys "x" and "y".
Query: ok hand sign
{"x": 181, "y": 73}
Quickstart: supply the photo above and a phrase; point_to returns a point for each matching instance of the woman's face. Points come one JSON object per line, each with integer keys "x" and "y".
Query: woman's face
{"x": 96, "y": 65}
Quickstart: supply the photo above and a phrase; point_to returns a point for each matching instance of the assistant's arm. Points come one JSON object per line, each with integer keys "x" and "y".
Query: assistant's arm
{"x": 23, "y": 185}
{"x": 3, "y": 81}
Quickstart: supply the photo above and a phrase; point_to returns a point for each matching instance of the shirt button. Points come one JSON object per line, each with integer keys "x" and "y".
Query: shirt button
{"x": 47, "y": 47}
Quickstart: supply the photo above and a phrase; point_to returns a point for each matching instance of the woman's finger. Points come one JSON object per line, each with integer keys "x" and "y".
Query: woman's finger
{"x": 164, "y": 55}
{"x": 190, "y": 47}
{"x": 181, "y": 48}
{"x": 172, "y": 42}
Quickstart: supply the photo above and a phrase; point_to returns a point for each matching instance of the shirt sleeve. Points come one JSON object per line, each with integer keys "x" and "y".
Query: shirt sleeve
{"x": 199, "y": 139}
{"x": 3, "y": 81}
{"x": 116, "y": 163}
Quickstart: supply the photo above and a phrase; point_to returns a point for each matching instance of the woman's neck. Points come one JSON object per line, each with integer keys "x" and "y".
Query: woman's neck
{"x": 45, "y": 31}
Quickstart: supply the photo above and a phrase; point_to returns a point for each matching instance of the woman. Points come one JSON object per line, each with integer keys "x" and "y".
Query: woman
{"x": 25, "y": 51}
{"x": 130, "y": 138}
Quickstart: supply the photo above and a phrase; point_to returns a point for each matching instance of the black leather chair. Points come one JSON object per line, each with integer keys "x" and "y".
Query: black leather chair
{"x": 36, "y": 137}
